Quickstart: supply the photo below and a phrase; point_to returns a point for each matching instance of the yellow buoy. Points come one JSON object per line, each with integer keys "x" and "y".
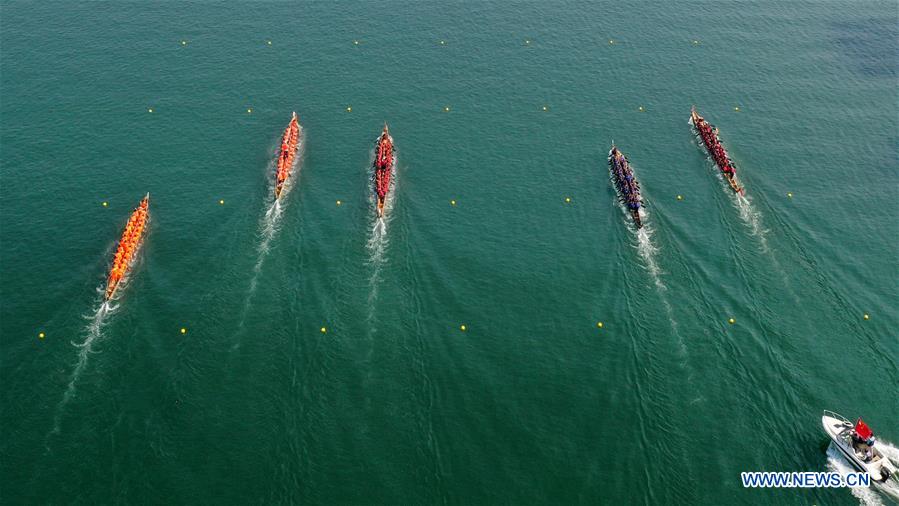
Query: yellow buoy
{"x": 866, "y": 316}
{"x": 452, "y": 202}
{"x": 446, "y": 109}
{"x": 462, "y": 328}
{"x": 731, "y": 321}
{"x": 599, "y": 324}
{"x": 349, "y": 109}
{"x": 105, "y": 204}
{"x": 222, "y": 202}
{"x": 323, "y": 330}
{"x": 790, "y": 194}
{"x": 40, "y": 335}
{"x": 680, "y": 197}
{"x": 150, "y": 110}
{"x": 249, "y": 111}
{"x": 641, "y": 109}
{"x": 183, "y": 330}
{"x": 339, "y": 202}
{"x": 567, "y": 199}
{"x": 736, "y": 109}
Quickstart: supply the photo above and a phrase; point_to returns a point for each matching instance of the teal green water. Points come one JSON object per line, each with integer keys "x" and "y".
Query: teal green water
{"x": 533, "y": 404}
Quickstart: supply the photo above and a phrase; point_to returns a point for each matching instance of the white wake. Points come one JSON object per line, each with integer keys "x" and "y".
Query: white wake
{"x": 378, "y": 239}
{"x": 752, "y": 218}
{"x": 93, "y": 331}
{"x": 648, "y": 252}
{"x": 867, "y": 496}
{"x": 270, "y": 223}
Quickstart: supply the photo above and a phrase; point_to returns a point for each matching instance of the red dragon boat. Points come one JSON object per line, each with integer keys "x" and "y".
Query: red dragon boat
{"x": 287, "y": 154}
{"x": 383, "y": 168}
{"x": 709, "y": 135}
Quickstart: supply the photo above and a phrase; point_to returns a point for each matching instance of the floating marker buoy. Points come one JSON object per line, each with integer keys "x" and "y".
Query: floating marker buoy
{"x": 105, "y": 204}
{"x": 641, "y": 109}
{"x": 731, "y": 321}
{"x": 442, "y": 42}
{"x": 452, "y": 202}
{"x": 150, "y": 110}
{"x": 356, "y": 42}
{"x": 736, "y": 109}
{"x": 695, "y": 42}
{"x": 462, "y": 328}
{"x": 790, "y": 194}
{"x": 526, "y": 41}
{"x": 324, "y": 330}
{"x": 599, "y": 325}
{"x": 269, "y": 42}
{"x": 349, "y": 109}
{"x": 222, "y": 202}
{"x": 183, "y": 330}
{"x": 40, "y": 335}
{"x": 680, "y": 197}
{"x": 567, "y": 200}
{"x": 339, "y": 202}
{"x": 866, "y": 316}
{"x": 611, "y": 41}
{"x": 183, "y": 42}
{"x": 446, "y": 109}
{"x": 249, "y": 111}
{"x": 545, "y": 108}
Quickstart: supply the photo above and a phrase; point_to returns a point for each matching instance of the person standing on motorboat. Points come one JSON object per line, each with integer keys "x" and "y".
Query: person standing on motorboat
{"x": 863, "y": 440}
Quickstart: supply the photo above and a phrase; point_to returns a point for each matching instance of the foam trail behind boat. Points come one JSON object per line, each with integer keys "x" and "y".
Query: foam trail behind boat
{"x": 866, "y": 496}
{"x": 270, "y": 222}
{"x": 378, "y": 239}
{"x": 93, "y": 331}
{"x": 752, "y": 218}
{"x": 268, "y": 226}
{"x": 892, "y": 453}
{"x": 648, "y": 251}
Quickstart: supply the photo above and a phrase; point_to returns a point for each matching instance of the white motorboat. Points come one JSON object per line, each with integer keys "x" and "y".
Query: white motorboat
{"x": 856, "y": 443}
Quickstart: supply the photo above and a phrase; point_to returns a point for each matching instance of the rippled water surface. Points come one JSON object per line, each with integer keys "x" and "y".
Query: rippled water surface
{"x": 394, "y": 404}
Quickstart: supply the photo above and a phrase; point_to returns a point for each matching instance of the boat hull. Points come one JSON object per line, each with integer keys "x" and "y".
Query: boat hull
{"x": 729, "y": 177}
{"x": 139, "y": 219}
{"x": 626, "y": 198}
{"x": 382, "y": 169}
{"x": 287, "y": 153}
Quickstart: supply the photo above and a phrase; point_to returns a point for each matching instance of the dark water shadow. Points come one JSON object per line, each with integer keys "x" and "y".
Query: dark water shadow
{"x": 870, "y": 46}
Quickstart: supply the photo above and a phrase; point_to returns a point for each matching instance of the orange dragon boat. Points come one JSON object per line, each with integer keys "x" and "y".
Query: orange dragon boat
{"x": 128, "y": 246}
{"x": 287, "y": 154}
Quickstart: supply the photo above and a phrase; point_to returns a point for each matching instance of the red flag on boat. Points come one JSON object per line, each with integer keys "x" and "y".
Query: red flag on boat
{"x": 863, "y": 430}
